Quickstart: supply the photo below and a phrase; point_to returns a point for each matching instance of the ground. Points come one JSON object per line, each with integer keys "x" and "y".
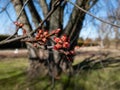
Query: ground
{"x": 103, "y": 72}
{"x": 13, "y": 53}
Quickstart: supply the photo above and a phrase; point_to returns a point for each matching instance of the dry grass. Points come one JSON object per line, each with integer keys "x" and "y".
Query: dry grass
{"x": 12, "y": 53}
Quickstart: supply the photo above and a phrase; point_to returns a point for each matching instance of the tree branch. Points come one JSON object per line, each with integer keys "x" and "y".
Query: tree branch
{"x": 22, "y": 9}
{"x": 35, "y": 16}
{"x": 55, "y": 6}
{"x": 85, "y": 11}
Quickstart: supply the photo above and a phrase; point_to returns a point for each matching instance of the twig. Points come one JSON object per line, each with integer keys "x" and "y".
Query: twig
{"x": 22, "y": 9}
{"x": 55, "y": 5}
{"x": 4, "y": 8}
{"x": 92, "y": 14}
{"x": 13, "y": 21}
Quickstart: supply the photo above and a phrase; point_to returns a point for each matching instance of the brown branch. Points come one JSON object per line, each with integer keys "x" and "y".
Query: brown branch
{"x": 55, "y": 5}
{"x": 16, "y": 31}
{"x": 22, "y": 10}
{"x": 35, "y": 16}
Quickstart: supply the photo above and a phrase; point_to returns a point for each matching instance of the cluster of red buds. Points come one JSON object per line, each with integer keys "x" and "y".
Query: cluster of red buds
{"x": 43, "y": 35}
{"x": 61, "y": 43}
{"x": 20, "y": 25}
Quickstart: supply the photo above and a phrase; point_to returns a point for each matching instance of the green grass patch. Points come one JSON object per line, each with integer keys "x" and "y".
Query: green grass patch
{"x": 13, "y": 77}
{"x": 12, "y": 72}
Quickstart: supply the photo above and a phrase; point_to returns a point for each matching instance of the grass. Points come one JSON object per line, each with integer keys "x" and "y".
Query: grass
{"x": 12, "y": 72}
{"x": 13, "y": 77}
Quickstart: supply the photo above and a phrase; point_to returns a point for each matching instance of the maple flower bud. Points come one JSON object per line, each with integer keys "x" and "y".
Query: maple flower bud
{"x": 45, "y": 33}
{"x": 40, "y": 31}
{"x": 66, "y": 45}
{"x": 44, "y": 40}
{"x": 37, "y": 36}
{"x": 21, "y": 25}
{"x": 64, "y": 38}
{"x": 57, "y": 40}
{"x": 57, "y": 46}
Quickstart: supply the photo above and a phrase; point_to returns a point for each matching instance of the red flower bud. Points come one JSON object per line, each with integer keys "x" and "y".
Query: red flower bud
{"x": 40, "y": 31}
{"x": 64, "y": 38}
{"x": 57, "y": 40}
{"x": 37, "y": 37}
{"x": 45, "y": 33}
{"x": 66, "y": 45}
{"x": 44, "y": 40}
{"x": 21, "y": 25}
{"x": 41, "y": 36}
{"x": 57, "y": 46}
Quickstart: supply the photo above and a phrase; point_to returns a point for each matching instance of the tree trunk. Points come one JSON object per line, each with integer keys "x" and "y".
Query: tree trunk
{"x": 36, "y": 57}
{"x": 56, "y": 63}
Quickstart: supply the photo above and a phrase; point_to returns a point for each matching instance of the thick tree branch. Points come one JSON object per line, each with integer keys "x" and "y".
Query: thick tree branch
{"x": 35, "y": 16}
{"x": 75, "y": 15}
{"x": 45, "y": 11}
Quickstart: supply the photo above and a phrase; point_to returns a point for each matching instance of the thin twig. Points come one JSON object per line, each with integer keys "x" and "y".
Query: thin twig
{"x": 22, "y": 9}
{"x": 9, "y": 15}
{"x": 4, "y": 8}
{"x": 85, "y": 11}
{"x": 13, "y": 21}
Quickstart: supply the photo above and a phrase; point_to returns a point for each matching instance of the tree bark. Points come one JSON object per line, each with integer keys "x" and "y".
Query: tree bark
{"x": 36, "y": 57}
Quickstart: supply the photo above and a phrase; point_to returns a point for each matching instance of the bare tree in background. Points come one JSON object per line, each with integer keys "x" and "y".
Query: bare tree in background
{"x": 106, "y": 31}
{"x": 117, "y": 30}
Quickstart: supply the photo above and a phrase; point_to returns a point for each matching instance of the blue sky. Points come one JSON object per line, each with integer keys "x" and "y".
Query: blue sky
{"x": 89, "y": 29}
